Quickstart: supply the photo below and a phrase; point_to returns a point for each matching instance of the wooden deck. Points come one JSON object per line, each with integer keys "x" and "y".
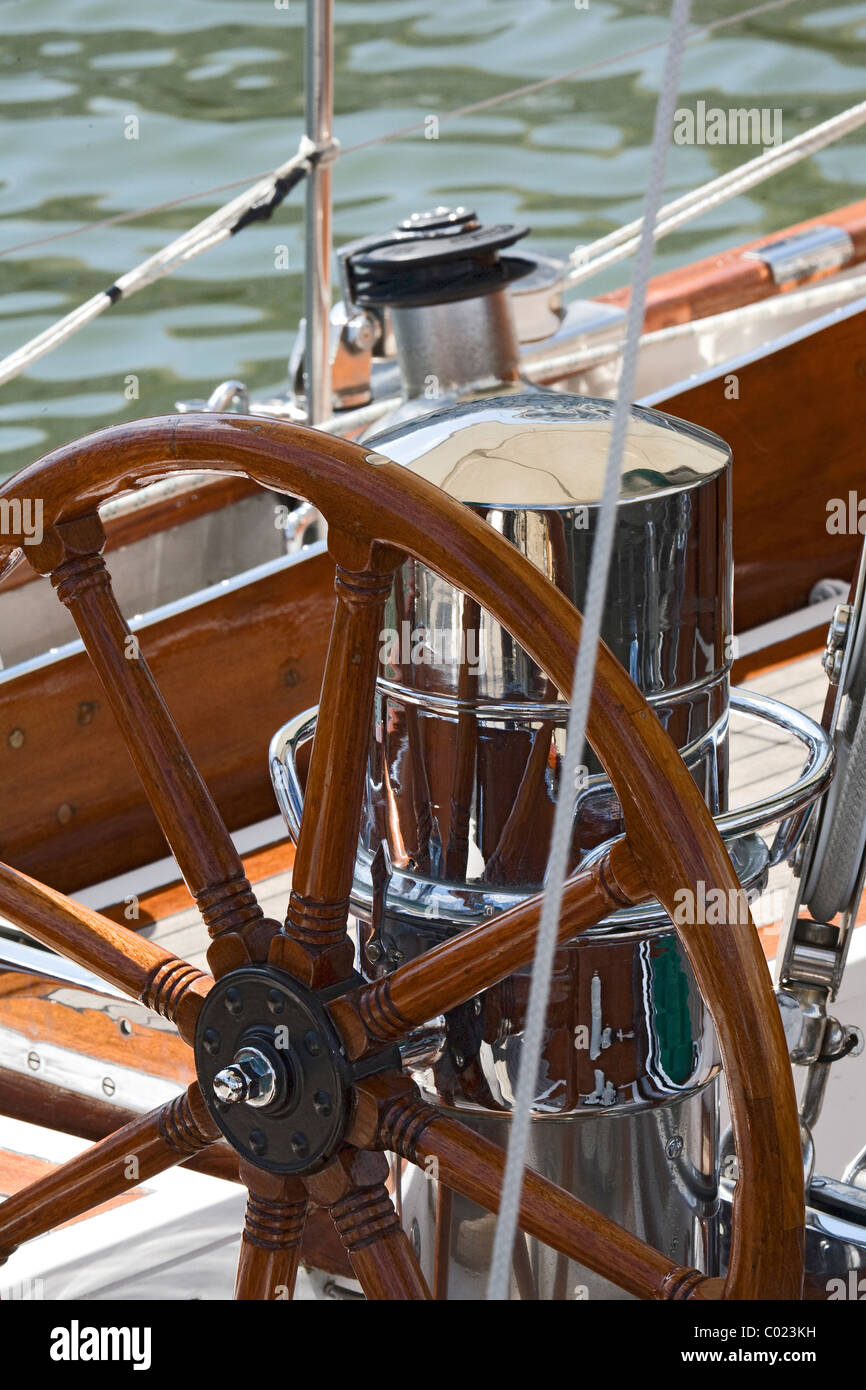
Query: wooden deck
{"x": 765, "y": 760}
{"x": 762, "y": 759}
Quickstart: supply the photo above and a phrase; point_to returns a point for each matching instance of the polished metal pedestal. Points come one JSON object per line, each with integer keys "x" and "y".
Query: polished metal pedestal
{"x": 652, "y": 1171}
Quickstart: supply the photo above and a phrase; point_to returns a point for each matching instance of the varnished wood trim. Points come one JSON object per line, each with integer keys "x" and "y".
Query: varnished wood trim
{"x": 730, "y": 279}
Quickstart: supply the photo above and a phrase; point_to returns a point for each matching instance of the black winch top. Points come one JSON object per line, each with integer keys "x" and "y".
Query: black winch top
{"x": 432, "y": 257}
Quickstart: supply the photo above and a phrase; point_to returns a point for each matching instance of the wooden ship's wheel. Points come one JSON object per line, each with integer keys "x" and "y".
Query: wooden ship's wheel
{"x": 296, "y": 1055}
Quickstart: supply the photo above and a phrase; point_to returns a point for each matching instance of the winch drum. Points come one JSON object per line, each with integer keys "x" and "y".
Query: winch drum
{"x": 466, "y": 753}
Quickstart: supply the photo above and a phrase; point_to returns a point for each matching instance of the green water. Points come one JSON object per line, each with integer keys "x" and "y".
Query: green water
{"x": 217, "y": 87}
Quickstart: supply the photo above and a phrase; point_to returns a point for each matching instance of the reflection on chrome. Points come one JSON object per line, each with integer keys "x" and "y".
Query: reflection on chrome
{"x": 464, "y": 771}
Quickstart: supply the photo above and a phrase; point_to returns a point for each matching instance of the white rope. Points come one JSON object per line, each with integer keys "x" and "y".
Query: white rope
{"x": 589, "y": 260}
{"x": 209, "y": 232}
{"x": 557, "y": 864}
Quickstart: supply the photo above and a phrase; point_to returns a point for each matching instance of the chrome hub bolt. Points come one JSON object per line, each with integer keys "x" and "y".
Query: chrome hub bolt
{"x": 250, "y": 1077}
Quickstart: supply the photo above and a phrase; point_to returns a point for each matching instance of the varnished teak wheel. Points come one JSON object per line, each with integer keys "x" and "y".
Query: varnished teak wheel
{"x": 339, "y": 1070}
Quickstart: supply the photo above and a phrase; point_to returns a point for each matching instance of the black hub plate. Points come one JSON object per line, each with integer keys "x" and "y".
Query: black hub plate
{"x": 259, "y": 1006}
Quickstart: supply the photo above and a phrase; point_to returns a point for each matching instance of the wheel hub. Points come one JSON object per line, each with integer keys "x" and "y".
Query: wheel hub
{"x": 272, "y": 1071}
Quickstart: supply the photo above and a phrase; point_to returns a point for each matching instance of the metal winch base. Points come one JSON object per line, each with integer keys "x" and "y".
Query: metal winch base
{"x": 625, "y": 1112}
{"x": 653, "y": 1172}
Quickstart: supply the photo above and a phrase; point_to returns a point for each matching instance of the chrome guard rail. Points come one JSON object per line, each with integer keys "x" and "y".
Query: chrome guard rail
{"x": 791, "y": 806}
{"x": 789, "y": 809}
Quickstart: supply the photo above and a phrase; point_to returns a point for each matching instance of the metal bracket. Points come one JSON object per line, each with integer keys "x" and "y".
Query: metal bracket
{"x": 837, "y": 640}
{"x": 806, "y": 253}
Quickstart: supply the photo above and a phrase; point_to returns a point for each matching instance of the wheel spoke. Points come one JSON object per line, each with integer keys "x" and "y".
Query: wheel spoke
{"x": 384, "y": 1262}
{"x": 128, "y": 1157}
{"x": 190, "y": 821}
{"x": 158, "y": 978}
{"x": 273, "y": 1230}
{"x": 475, "y": 1168}
{"x": 316, "y": 945}
{"x": 477, "y": 959}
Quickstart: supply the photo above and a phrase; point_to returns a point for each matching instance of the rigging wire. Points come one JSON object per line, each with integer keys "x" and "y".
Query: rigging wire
{"x": 527, "y": 90}
{"x": 587, "y": 261}
{"x": 256, "y": 204}
{"x": 499, "y": 1285}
